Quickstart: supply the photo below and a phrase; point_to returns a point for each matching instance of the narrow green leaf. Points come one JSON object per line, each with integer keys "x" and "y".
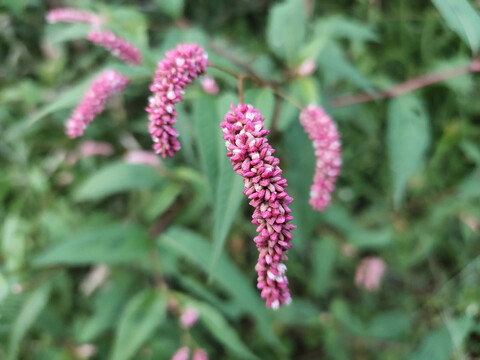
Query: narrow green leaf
{"x": 143, "y": 313}
{"x": 228, "y": 199}
{"x": 115, "y": 243}
{"x": 199, "y": 252}
{"x": 408, "y": 137}
{"x": 390, "y": 325}
{"x": 462, "y": 18}
{"x": 323, "y": 262}
{"x": 115, "y": 178}
{"x": 222, "y": 331}
{"x": 286, "y": 29}
{"x": 207, "y": 129}
{"x": 375, "y": 239}
{"x": 30, "y": 311}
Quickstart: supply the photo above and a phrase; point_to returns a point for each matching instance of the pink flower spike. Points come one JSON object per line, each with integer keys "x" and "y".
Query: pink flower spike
{"x": 200, "y": 354}
{"x": 323, "y": 133}
{"x": 209, "y": 85}
{"x": 370, "y": 273}
{"x": 119, "y": 47}
{"x": 91, "y": 148}
{"x": 92, "y": 104}
{"x": 179, "y": 68}
{"x": 189, "y": 317}
{"x": 306, "y": 68}
{"x": 69, "y": 15}
{"x": 252, "y": 157}
{"x": 181, "y": 354}
{"x": 148, "y": 158}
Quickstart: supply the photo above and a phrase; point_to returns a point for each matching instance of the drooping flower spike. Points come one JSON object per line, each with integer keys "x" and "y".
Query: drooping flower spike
{"x": 323, "y": 133}
{"x": 119, "y": 47}
{"x": 73, "y": 16}
{"x": 92, "y": 104}
{"x": 252, "y": 157}
{"x": 179, "y": 68}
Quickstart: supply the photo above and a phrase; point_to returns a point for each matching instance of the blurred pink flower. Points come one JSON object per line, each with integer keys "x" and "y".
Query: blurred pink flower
{"x": 94, "y": 101}
{"x": 370, "y": 273}
{"x": 85, "y": 351}
{"x": 90, "y": 148}
{"x": 119, "y": 47}
{"x": 252, "y": 157}
{"x": 189, "y": 317}
{"x": 306, "y": 68}
{"x": 73, "y": 16}
{"x": 142, "y": 157}
{"x": 200, "y": 354}
{"x": 178, "y": 69}
{"x": 181, "y": 354}
{"x": 323, "y": 133}
{"x": 209, "y": 85}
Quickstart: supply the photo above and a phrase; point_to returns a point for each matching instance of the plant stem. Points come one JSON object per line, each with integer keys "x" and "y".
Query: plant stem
{"x": 409, "y": 85}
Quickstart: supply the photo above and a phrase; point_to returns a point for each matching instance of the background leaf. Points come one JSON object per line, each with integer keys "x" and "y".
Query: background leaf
{"x": 115, "y": 178}
{"x": 408, "y": 136}
{"x": 143, "y": 313}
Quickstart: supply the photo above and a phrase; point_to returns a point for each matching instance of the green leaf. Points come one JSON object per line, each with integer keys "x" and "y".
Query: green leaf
{"x": 462, "y": 18}
{"x": 408, "y": 136}
{"x": 222, "y": 331}
{"x": 323, "y": 262}
{"x": 335, "y": 67}
{"x": 115, "y": 243}
{"x": 160, "y": 202}
{"x": 390, "y": 325}
{"x": 115, "y": 178}
{"x": 343, "y": 27}
{"x": 199, "y": 252}
{"x": 143, "y": 313}
{"x": 367, "y": 239}
{"x": 58, "y": 33}
{"x": 30, "y": 311}
{"x": 173, "y": 8}
{"x": 436, "y": 345}
{"x": 228, "y": 199}
{"x": 207, "y": 128}
{"x": 264, "y": 101}
{"x": 13, "y": 243}
{"x": 286, "y": 29}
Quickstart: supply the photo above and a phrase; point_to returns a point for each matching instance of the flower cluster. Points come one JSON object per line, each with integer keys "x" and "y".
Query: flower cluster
{"x": 184, "y": 354}
{"x": 117, "y": 46}
{"x": 323, "y": 133}
{"x": 73, "y": 16}
{"x": 178, "y": 69}
{"x": 370, "y": 273}
{"x": 93, "y": 102}
{"x": 252, "y": 157}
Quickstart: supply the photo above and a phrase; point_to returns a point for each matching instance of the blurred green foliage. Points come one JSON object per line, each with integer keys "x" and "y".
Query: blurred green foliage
{"x": 180, "y": 234}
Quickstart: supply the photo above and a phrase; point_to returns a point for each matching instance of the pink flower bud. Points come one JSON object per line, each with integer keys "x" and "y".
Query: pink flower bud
{"x": 306, "y": 68}
{"x": 119, "y": 47}
{"x": 142, "y": 157}
{"x": 370, "y": 273}
{"x": 209, "y": 85}
{"x": 189, "y": 317}
{"x": 73, "y": 16}
{"x": 323, "y": 133}
{"x": 93, "y": 102}
{"x": 252, "y": 157}
{"x": 180, "y": 67}
{"x": 200, "y": 354}
{"x": 90, "y": 148}
{"x": 181, "y": 354}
